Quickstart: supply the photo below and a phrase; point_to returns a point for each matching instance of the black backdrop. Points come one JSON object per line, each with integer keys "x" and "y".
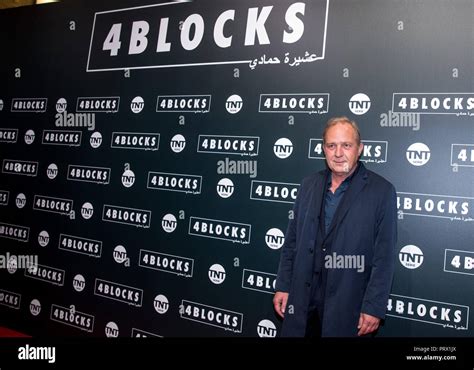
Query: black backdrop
{"x": 412, "y": 60}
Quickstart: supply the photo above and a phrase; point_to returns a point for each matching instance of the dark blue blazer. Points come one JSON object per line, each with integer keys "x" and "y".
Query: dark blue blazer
{"x": 365, "y": 224}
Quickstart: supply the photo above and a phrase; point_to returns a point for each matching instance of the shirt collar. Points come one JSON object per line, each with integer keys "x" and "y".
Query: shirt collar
{"x": 346, "y": 182}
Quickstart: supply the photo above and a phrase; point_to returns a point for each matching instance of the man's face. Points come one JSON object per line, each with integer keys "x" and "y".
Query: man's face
{"x": 341, "y": 149}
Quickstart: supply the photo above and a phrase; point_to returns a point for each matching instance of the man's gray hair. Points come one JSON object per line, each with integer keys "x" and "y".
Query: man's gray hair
{"x": 335, "y": 120}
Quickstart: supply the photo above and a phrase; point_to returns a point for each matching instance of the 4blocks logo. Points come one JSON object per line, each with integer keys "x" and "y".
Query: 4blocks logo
{"x": 226, "y": 144}
{"x": 459, "y": 261}
{"x": 127, "y": 216}
{"x": 218, "y": 229}
{"x": 8, "y": 135}
{"x": 108, "y": 104}
{"x": 274, "y": 191}
{"x": 174, "y": 182}
{"x": 71, "y": 317}
{"x": 259, "y": 281}
{"x": 210, "y": 315}
{"x": 184, "y": 103}
{"x": 448, "y": 315}
{"x": 431, "y": 205}
{"x": 135, "y": 140}
{"x": 4, "y": 196}
{"x": 294, "y": 103}
{"x": 156, "y": 37}
{"x": 10, "y": 299}
{"x": 53, "y": 205}
{"x": 15, "y": 232}
{"x": 88, "y": 247}
{"x": 37, "y": 105}
{"x": 460, "y": 104}
{"x": 45, "y": 273}
{"x": 181, "y": 266}
{"x": 118, "y": 292}
{"x": 16, "y": 167}
{"x": 374, "y": 151}
{"x": 62, "y": 137}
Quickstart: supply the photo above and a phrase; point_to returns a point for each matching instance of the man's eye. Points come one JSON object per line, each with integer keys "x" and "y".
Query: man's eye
{"x": 347, "y": 145}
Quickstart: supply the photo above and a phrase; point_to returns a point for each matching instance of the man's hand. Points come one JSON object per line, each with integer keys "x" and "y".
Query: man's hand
{"x": 367, "y": 324}
{"x": 279, "y": 303}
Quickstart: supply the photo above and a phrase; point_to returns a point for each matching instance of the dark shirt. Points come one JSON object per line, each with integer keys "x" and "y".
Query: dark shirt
{"x": 332, "y": 200}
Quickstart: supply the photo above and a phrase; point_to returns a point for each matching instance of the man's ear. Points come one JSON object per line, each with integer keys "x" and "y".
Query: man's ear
{"x": 361, "y": 147}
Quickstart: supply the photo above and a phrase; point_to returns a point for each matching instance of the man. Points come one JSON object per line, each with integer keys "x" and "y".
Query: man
{"x": 343, "y": 214}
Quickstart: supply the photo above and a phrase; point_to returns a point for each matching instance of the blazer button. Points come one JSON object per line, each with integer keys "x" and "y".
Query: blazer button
{"x": 324, "y": 249}
{"x": 311, "y": 250}
{"x": 307, "y": 285}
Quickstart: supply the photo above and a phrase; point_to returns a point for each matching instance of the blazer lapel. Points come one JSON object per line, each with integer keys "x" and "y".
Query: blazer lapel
{"x": 317, "y": 196}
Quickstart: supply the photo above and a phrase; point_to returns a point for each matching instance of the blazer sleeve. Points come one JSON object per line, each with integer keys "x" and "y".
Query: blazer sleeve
{"x": 288, "y": 250}
{"x": 383, "y": 263}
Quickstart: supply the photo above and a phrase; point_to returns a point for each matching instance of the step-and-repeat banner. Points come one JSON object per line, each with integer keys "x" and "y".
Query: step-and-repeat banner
{"x": 151, "y": 154}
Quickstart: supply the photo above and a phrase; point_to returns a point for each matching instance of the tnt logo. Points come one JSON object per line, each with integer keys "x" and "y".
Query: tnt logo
{"x": 96, "y": 139}
{"x": 35, "y": 307}
{"x": 283, "y": 148}
{"x": 52, "y": 171}
{"x": 266, "y": 329}
{"x": 33, "y": 268}
{"x": 111, "y": 330}
{"x": 12, "y": 265}
{"x": 87, "y": 210}
{"x": 161, "y": 304}
{"x": 78, "y": 283}
{"x": 359, "y": 104}
{"x": 274, "y": 238}
{"x": 128, "y": 178}
{"x": 411, "y": 256}
{"x": 216, "y": 274}
{"x": 29, "y": 137}
{"x": 169, "y": 223}
{"x": 137, "y": 104}
{"x": 225, "y": 188}
{"x": 234, "y": 104}
{"x": 177, "y": 143}
{"x": 61, "y": 105}
{"x": 43, "y": 238}
{"x": 20, "y": 200}
{"x": 418, "y": 154}
{"x": 120, "y": 254}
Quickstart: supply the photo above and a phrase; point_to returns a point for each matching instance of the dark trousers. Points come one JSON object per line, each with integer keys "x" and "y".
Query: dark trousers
{"x": 313, "y": 325}
{"x": 316, "y": 306}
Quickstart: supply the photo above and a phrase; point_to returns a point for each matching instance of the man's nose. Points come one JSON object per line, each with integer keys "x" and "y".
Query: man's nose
{"x": 339, "y": 150}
